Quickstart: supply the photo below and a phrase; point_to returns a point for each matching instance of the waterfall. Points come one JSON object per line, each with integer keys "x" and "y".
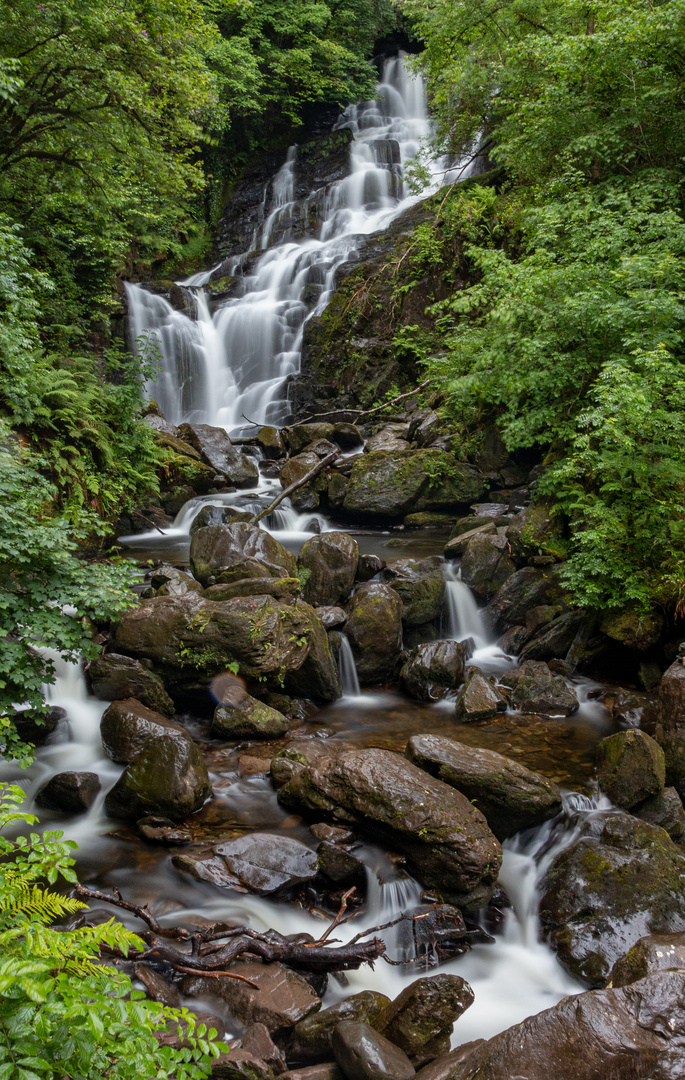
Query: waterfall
{"x": 221, "y": 367}
{"x": 464, "y": 619}
{"x": 347, "y": 669}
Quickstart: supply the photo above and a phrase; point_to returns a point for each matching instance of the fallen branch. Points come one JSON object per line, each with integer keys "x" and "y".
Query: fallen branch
{"x": 149, "y": 521}
{"x": 328, "y": 460}
{"x": 359, "y": 413}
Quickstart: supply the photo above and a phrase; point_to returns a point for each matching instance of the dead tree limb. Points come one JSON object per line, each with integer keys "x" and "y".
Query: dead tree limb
{"x": 359, "y": 413}
{"x": 328, "y": 460}
{"x": 149, "y": 521}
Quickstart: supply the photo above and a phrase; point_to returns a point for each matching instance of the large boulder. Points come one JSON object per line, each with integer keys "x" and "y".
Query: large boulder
{"x": 392, "y": 483}
{"x": 363, "y": 1054}
{"x": 664, "y": 809}
{"x": 486, "y": 563}
{"x": 248, "y": 718}
{"x": 666, "y": 717}
{"x": 630, "y": 767}
{"x": 433, "y": 669}
{"x": 656, "y": 952}
{"x": 300, "y": 435}
{"x": 271, "y": 442}
{"x": 311, "y": 1038}
{"x": 127, "y": 726}
{"x": 526, "y": 589}
{"x": 536, "y": 689}
{"x": 479, "y": 698}
{"x": 215, "y": 447}
{"x": 421, "y": 587}
{"x": 230, "y": 553}
{"x": 168, "y": 777}
{"x": 532, "y": 532}
{"x": 113, "y": 677}
{"x": 632, "y": 627}
{"x": 444, "y": 837}
{"x": 553, "y": 640}
{"x": 294, "y": 470}
{"x": 632, "y": 1033}
{"x": 621, "y": 879}
{"x": 189, "y": 636}
{"x": 374, "y": 629}
{"x": 328, "y": 567}
{"x": 69, "y": 792}
{"x": 269, "y": 994}
{"x": 265, "y": 863}
{"x": 510, "y": 796}
{"x": 422, "y": 1016}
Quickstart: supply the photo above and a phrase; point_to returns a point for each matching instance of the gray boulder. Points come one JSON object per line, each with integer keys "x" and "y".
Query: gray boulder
{"x": 434, "y": 669}
{"x": 248, "y": 718}
{"x": 168, "y": 777}
{"x": 215, "y": 447}
{"x": 422, "y": 1016}
{"x": 329, "y": 562}
{"x": 421, "y": 587}
{"x": 664, "y": 809}
{"x": 536, "y": 689}
{"x": 486, "y": 564}
{"x": 363, "y": 1054}
{"x": 651, "y": 954}
{"x": 69, "y": 792}
{"x": 630, "y": 767}
{"x": 374, "y": 629}
{"x": 311, "y": 1039}
{"x": 230, "y": 553}
{"x": 114, "y": 677}
{"x": 278, "y": 998}
{"x": 265, "y": 863}
{"x": 444, "y": 837}
{"x": 510, "y": 796}
{"x": 127, "y": 727}
{"x": 479, "y": 698}
{"x": 526, "y": 589}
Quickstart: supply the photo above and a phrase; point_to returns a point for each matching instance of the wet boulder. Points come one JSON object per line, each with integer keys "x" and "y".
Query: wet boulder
{"x": 374, "y": 629}
{"x": 311, "y": 1039}
{"x": 271, "y": 442}
{"x": 632, "y": 627}
{"x": 664, "y": 809}
{"x": 167, "y": 580}
{"x": 341, "y": 867}
{"x": 217, "y": 515}
{"x": 510, "y": 796}
{"x": 333, "y": 618}
{"x": 34, "y": 726}
{"x": 421, "y": 587}
{"x": 433, "y": 669}
{"x": 531, "y": 532}
{"x": 666, "y": 718}
{"x": 393, "y": 483}
{"x": 69, "y": 792}
{"x": 168, "y": 777}
{"x": 229, "y": 553}
{"x": 248, "y": 718}
{"x": 282, "y": 588}
{"x": 536, "y": 689}
{"x": 328, "y": 566}
{"x": 423, "y": 1015}
{"x": 300, "y": 435}
{"x": 317, "y": 676}
{"x": 215, "y": 447}
{"x": 526, "y": 589}
{"x": 347, "y": 436}
{"x": 114, "y": 677}
{"x": 479, "y": 698}
{"x": 486, "y": 563}
{"x": 127, "y": 727}
{"x": 445, "y": 839}
{"x": 265, "y": 863}
{"x": 363, "y": 1054}
{"x": 279, "y": 998}
{"x": 294, "y": 470}
{"x": 656, "y": 952}
{"x": 630, "y": 767}
{"x": 368, "y": 566}
{"x": 386, "y": 439}
{"x": 553, "y": 639}
{"x": 632, "y": 1033}
{"x": 620, "y": 880}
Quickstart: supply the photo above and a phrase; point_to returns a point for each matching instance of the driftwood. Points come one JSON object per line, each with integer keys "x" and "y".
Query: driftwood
{"x": 213, "y": 949}
{"x": 328, "y": 460}
{"x": 364, "y": 413}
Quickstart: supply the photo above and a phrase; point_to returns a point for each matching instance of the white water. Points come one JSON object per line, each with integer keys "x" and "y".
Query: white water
{"x": 348, "y": 669}
{"x": 464, "y": 620}
{"x": 220, "y": 368}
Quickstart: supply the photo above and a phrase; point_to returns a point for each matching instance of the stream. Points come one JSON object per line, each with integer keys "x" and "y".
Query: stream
{"x": 219, "y": 365}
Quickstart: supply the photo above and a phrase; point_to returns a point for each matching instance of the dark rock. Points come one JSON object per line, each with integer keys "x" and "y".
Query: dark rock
{"x": 340, "y": 866}
{"x": 321, "y": 447}
{"x": 347, "y": 436}
{"x": 301, "y": 435}
{"x": 634, "y": 628}
{"x": 280, "y": 999}
{"x": 510, "y": 796}
{"x": 556, "y": 638}
{"x": 433, "y": 669}
{"x": 271, "y": 442}
{"x": 630, "y": 767}
{"x": 215, "y": 447}
{"x": 368, "y": 566}
{"x": 282, "y": 588}
{"x": 374, "y": 629}
{"x": 531, "y": 532}
{"x": 666, "y": 717}
{"x": 34, "y": 726}
{"x": 657, "y": 952}
{"x": 209, "y": 868}
{"x": 386, "y": 439}
{"x": 258, "y": 1042}
{"x": 330, "y": 564}
{"x": 478, "y": 699}
{"x": 127, "y": 727}
{"x": 326, "y": 1070}
{"x": 294, "y": 470}
{"x": 425, "y": 1011}
{"x": 363, "y": 1054}
{"x": 69, "y": 792}
{"x": 620, "y": 880}
{"x": 393, "y": 483}
{"x": 168, "y": 777}
{"x": 421, "y": 587}
{"x": 486, "y": 564}
{"x": 536, "y": 689}
{"x": 248, "y": 718}
{"x": 113, "y": 677}
{"x": 525, "y": 589}
{"x": 265, "y": 863}
{"x": 513, "y": 640}
{"x": 232, "y": 552}
{"x": 634, "y": 1033}
{"x": 664, "y": 809}
{"x": 157, "y": 987}
{"x": 161, "y": 830}
{"x": 334, "y": 834}
{"x": 311, "y": 1039}
{"x": 217, "y": 515}
{"x": 444, "y": 837}
{"x": 458, "y": 543}
{"x": 168, "y": 580}
{"x": 331, "y": 617}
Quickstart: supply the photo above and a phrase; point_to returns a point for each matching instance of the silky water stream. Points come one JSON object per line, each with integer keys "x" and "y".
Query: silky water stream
{"x": 237, "y": 360}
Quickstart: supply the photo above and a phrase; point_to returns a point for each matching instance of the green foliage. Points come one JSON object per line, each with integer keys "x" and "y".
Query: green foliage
{"x": 62, "y": 1013}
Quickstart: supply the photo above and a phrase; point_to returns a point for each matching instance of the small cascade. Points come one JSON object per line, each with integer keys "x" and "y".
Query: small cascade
{"x": 464, "y": 619}
{"x": 347, "y": 669}
{"x": 220, "y": 367}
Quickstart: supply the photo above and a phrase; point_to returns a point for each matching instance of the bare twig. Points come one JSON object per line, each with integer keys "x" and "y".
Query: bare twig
{"x": 217, "y": 975}
{"x": 338, "y": 918}
{"x": 328, "y": 460}
{"x": 359, "y": 413}
{"x": 149, "y": 521}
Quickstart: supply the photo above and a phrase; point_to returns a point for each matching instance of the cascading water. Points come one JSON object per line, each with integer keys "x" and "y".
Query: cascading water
{"x": 220, "y": 368}
{"x": 347, "y": 668}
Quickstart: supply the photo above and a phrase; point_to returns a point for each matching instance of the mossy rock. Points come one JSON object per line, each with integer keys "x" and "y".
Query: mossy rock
{"x": 394, "y": 483}
{"x": 249, "y": 718}
{"x": 630, "y": 767}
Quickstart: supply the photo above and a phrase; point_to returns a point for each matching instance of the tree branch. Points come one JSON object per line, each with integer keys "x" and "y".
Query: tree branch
{"x": 328, "y": 460}
{"x": 359, "y": 413}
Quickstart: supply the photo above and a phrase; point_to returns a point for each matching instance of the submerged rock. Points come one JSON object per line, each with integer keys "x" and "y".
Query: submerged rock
{"x": 619, "y": 881}
{"x": 536, "y": 689}
{"x": 311, "y": 1039}
{"x": 434, "y": 669}
{"x": 168, "y": 777}
{"x": 265, "y": 863}
{"x": 478, "y": 699}
{"x": 364, "y": 1054}
{"x": 444, "y": 837}
{"x": 230, "y": 553}
{"x": 69, "y": 792}
{"x": 630, "y": 767}
{"x": 249, "y": 718}
{"x": 114, "y": 677}
{"x": 127, "y": 727}
{"x": 510, "y": 796}
{"x": 374, "y": 629}
{"x": 421, "y": 587}
{"x": 329, "y": 562}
